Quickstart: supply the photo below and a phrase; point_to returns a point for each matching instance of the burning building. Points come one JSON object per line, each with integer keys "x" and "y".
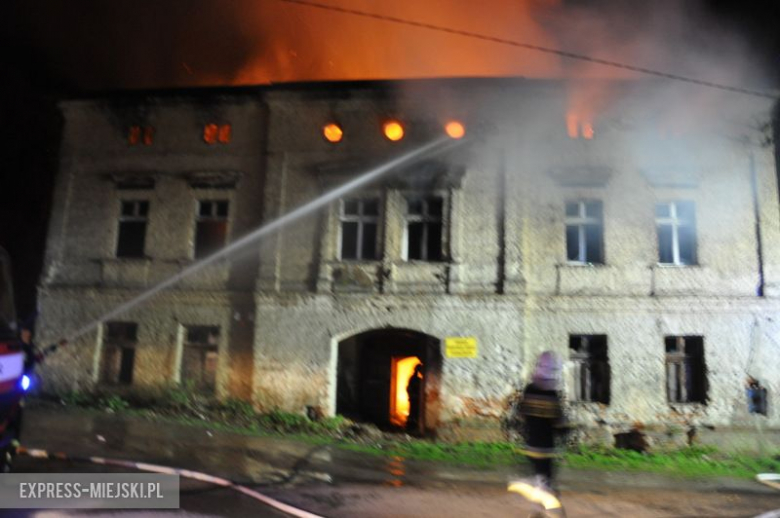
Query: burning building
{"x": 641, "y": 244}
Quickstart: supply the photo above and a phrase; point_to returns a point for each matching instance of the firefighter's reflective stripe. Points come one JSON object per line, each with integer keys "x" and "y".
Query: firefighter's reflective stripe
{"x": 11, "y": 366}
{"x": 537, "y": 453}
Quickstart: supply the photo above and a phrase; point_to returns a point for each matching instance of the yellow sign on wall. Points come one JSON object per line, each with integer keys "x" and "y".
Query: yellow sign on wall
{"x": 460, "y": 347}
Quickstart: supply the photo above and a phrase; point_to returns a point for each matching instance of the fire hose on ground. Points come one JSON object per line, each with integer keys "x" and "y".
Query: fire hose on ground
{"x": 166, "y": 470}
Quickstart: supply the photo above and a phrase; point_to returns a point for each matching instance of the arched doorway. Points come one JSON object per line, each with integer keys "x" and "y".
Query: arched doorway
{"x": 373, "y": 373}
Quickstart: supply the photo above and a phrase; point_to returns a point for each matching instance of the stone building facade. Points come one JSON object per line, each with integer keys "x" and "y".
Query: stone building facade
{"x": 648, "y": 259}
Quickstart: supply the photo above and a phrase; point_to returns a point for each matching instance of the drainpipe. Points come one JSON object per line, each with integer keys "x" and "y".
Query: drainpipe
{"x": 757, "y": 217}
{"x": 501, "y": 222}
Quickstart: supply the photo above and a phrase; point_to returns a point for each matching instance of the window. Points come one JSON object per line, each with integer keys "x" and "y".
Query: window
{"x": 213, "y": 133}
{"x": 138, "y": 134}
{"x": 579, "y": 127}
{"x": 119, "y": 353}
{"x": 686, "y": 373}
{"x": 424, "y": 229}
{"x": 199, "y": 358}
{"x": 360, "y": 228}
{"x": 584, "y": 232}
{"x": 591, "y": 368}
{"x": 132, "y": 229}
{"x": 676, "y": 226}
{"x": 211, "y": 227}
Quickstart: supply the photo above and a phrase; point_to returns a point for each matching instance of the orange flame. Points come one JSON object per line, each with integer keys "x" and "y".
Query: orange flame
{"x": 393, "y": 130}
{"x": 333, "y": 132}
{"x": 455, "y": 129}
{"x": 403, "y": 369}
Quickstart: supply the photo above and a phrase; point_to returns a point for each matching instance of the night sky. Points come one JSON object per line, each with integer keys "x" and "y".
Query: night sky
{"x": 55, "y": 48}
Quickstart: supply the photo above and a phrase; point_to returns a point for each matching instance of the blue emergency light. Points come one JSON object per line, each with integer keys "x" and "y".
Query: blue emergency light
{"x": 26, "y": 382}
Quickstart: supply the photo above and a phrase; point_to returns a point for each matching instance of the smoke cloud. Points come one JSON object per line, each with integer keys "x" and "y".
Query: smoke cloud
{"x": 150, "y": 44}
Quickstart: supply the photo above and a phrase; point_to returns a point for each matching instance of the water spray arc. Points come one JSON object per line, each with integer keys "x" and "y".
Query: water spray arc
{"x": 269, "y": 228}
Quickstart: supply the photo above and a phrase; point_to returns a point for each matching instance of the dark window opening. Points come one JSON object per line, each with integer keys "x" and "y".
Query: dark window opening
{"x": 132, "y": 229}
{"x": 424, "y": 229}
{"x": 211, "y": 227}
{"x": 360, "y": 229}
{"x": 199, "y": 358}
{"x": 590, "y": 360}
{"x": 584, "y": 232}
{"x": 686, "y": 371}
{"x": 119, "y": 353}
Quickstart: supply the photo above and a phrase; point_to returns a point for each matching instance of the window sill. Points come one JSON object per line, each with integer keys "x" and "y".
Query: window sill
{"x": 588, "y": 404}
{"x": 687, "y": 406}
{"x": 577, "y": 264}
{"x": 119, "y": 260}
{"x": 673, "y": 266}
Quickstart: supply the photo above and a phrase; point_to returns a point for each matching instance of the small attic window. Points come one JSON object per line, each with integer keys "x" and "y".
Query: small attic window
{"x": 140, "y": 135}
{"x": 217, "y": 133}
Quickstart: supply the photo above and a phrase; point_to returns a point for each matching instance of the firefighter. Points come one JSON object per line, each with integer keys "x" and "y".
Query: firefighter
{"x": 542, "y": 417}
{"x": 414, "y": 391}
{"x": 32, "y": 355}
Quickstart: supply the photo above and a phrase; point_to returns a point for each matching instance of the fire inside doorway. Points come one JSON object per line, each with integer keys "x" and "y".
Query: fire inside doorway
{"x": 374, "y": 373}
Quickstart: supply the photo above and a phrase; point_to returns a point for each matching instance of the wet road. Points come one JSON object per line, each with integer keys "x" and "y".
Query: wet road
{"x": 195, "y": 498}
{"x": 334, "y": 482}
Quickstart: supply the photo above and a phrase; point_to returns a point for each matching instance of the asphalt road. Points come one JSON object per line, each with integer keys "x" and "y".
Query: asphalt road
{"x": 196, "y": 498}
{"x": 334, "y": 482}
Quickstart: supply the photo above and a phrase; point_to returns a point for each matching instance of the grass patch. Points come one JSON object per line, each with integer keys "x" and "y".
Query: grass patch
{"x": 185, "y": 407}
{"x": 689, "y": 462}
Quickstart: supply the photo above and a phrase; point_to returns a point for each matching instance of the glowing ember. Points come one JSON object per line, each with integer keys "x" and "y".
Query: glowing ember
{"x": 403, "y": 368}
{"x": 333, "y": 132}
{"x": 455, "y": 129}
{"x": 393, "y": 130}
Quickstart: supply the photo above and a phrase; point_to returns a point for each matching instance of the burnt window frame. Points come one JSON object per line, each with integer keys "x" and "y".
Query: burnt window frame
{"x": 581, "y": 222}
{"x": 125, "y": 347}
{"x": 203, "y": 347}
{"x": 361, "y": 219}
{"x": 684, "y": 385}
{"x": 136, "y": 216}
{"x": 212, "y": 217}
{"x": 589, "y": 363}
{"x": 426, "y": 220}
{"x": 676, "y": 223}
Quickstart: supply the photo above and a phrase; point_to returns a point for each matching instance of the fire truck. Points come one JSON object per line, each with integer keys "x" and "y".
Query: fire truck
{"x": 13, "y": 380}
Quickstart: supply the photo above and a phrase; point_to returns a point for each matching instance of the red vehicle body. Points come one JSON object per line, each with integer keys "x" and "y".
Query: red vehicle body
{"x": 12, "y": 376}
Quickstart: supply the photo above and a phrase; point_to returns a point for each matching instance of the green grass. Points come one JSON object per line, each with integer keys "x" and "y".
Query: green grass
{"x": 477, "y": 454}
{"x": 180, "y": 406}
{"x": 688, "y": 462}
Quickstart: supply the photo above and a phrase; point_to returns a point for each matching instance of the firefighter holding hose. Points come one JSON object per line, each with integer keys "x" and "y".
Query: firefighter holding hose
{"x": 32, "y": 355}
